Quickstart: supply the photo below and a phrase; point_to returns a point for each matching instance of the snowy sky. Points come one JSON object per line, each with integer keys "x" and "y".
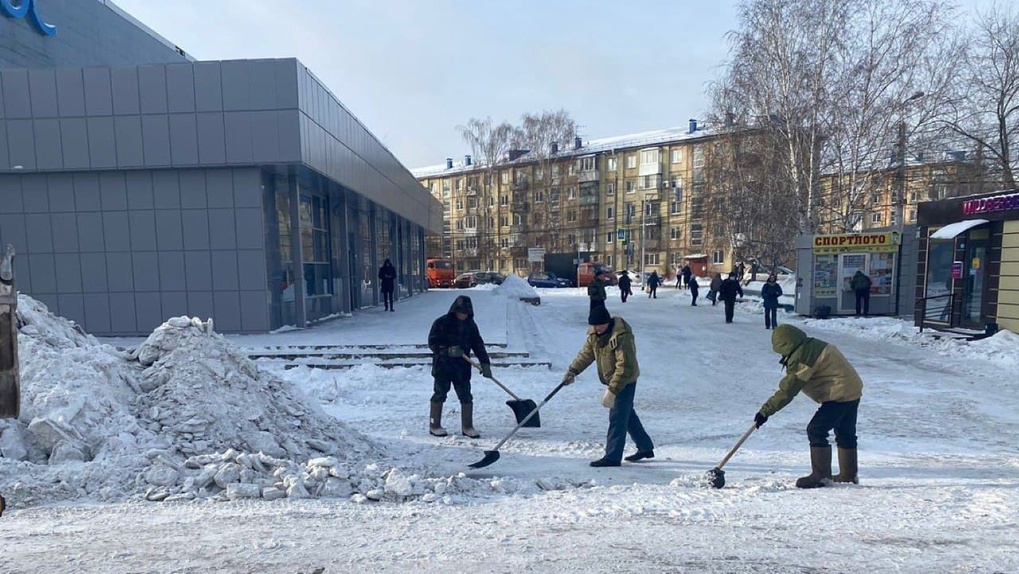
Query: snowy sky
{"x": 174, "y": 421}
{"x": 412, "y": 70}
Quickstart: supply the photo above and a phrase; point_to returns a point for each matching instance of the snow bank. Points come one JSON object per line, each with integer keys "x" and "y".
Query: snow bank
{"x": 187, "y": 416}
{"x": 516, "y": 287}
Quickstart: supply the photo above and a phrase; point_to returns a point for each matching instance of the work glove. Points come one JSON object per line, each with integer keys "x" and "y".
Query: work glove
{"x": 455, "y": 351}
{"x": 760, "y": 419}
{"x": 608, "y": 399}
{"x": 569, "y": 378}
{"x": 486, "y": 370}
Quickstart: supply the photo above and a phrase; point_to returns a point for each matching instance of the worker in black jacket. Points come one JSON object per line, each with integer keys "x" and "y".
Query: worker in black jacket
{"x": 453, "y": 336}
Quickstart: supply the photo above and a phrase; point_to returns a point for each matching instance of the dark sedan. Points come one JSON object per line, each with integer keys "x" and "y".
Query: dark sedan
{"x": 546, "y": 280}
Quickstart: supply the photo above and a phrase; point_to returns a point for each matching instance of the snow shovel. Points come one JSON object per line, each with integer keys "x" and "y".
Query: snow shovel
{"x": 521, "y": 407}
{"x": 493, "y": 455}
{"x": 716, "y": 476}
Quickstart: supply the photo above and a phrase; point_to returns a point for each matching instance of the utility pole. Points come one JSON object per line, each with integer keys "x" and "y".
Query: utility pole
{"x": 643, "y": 231}
{"x": 899, "y": 198}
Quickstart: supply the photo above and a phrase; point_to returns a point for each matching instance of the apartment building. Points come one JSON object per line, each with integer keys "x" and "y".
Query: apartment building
{"x": 872, "y": 205}
{"x": 631, "y": 201}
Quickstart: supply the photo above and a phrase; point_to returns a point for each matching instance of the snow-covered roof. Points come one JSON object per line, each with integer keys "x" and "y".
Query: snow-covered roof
{"x": 637, "y": 140}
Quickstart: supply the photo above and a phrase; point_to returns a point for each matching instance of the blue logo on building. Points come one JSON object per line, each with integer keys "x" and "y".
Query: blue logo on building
{"x": 26, "y": 8}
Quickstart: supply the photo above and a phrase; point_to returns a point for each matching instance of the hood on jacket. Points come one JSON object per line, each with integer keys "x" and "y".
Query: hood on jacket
{"x": 785, "y": 339}
{"x": 387, "y": 263}
{"x": 462, "y": 304}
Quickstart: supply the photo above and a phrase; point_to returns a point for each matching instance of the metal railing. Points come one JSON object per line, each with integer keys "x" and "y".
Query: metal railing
{"x": 940, "y": 310}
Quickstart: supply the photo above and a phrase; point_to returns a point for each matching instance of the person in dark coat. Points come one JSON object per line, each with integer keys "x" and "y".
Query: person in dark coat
{"x": 596, "y": 290}
{"x": 860, "y": 284}
{"x": 453, "y": 336}
{"x": 653, "y": 281}
{"x": 728, "y": 291}
{"x": 694, "y": 289}
{"x": 387, "y": 281}
{"x": 741, "y": 270}
{"x": 687, "y": 274}
{"x": 716, "y": 284}
{"x": 624, "y": 286}
{"x": 770, "y": 292}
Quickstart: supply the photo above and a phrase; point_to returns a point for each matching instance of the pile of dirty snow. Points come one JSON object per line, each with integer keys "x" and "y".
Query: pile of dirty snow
{"x": 187, "y": 416}
{"x": 516, "y": 287}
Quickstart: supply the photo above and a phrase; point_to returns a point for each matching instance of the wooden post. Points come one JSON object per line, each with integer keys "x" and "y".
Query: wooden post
{"x": 10, "y": 391}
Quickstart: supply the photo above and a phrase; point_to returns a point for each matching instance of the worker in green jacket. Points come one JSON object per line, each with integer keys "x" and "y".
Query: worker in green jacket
{"x": 821, "y": 371}
{"x": 610, "y": 345}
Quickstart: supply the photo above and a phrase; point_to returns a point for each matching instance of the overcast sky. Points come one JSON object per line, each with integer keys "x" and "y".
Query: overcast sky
{"x": 412, "y": 70}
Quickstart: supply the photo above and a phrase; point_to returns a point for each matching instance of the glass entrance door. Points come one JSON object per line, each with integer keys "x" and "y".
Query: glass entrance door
{"x": 973, "y": 283}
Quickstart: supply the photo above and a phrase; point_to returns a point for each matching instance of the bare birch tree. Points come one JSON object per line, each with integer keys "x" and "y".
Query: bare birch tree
{"x": 489, "y": 143}
{"x": 538, "y": 133}
{"x": 988, "y": 111}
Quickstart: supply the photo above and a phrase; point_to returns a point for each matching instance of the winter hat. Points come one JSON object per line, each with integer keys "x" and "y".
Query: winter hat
{"x": 599, "y": 316}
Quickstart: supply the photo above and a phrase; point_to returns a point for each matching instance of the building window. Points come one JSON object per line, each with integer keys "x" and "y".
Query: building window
{"x": 503, "y": 220}
{"x": 472, "y": 201}
{"x": 504, "y": 242}
{"x": 610, "y": 188}
{"x": 630, "y": 186}
{"x": 650, "y": 259}
{"x": 631, "y": 161}
{"x": 911, "y": 216}
{"x": 518, "y": 219}
{"x": 471, "y": 222}
{"x": 696, "y": 234}
{"x": 571, "y": 192}
{"x": 718, "y": 258}
{"x": 675, "y": 233}
{"x": 555, "y": 171}
{"x": 649, "y": 156}
{"x": 459, "y": 204}
{"x": 571, "y": 169}
{"x": 608, "y": 237}
{"x": 608, "y": 260}
{"x": 649, "y": 182}
{"x": 504, "y": 200}
{"x": 504, "y": 176}
{"x": 588, "y": 163}
{"x": 875, "y": 218}
{"x": 612, "y": 164}
{"x": 571, "y": 215}
{"x": 698, "y": 157}
{"x": 539, "y": 196}
{"x": 677, "y": 155}
{"x": 675, "y": 207}
{"x": 610, "y": 213}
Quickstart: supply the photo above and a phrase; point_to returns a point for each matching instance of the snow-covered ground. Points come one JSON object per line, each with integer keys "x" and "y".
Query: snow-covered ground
{"x": 148, "y": 461}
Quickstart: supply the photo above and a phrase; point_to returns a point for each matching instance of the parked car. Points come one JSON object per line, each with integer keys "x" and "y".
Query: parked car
{"x": 494, "y": 277}
{"x": 547, "y": 280}
{"x": 465, "y": 280}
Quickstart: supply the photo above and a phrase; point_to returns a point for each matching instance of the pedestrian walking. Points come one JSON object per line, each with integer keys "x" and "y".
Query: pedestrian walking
{"x": 611, "y": 346}
{"x": 596, "y": 290}
{"x": 770, "y": 292}
{"x": 824, "y": 374}
{"x": 687, "y": 274}
{"x": 860, "y": 284}
{"x": 452, "y": 336}
{"x": 728, "y": 291}
{"x": 624, "y": 286}
{"x": 694, "y": 289}
{"x": 653, "y": 281}
{"x": 387, "y": 282}
{"x": 716, "y": 284}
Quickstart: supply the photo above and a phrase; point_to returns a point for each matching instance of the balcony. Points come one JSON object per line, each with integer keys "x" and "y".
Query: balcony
{"x": 588, "y": 200}
{"x": 522, "y": 185}
{"x": 588, "y": 176}
{"x": 517, "y": 229}
{"x": 649, "y": 169}
{"x": 518, "y": 251}
{"x": 651, "y": 243}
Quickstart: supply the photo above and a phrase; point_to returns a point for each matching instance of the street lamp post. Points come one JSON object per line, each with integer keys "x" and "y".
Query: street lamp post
{"x": 900, "y": 196}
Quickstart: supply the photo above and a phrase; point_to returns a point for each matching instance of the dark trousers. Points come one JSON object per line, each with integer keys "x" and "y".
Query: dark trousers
{"x": 441, "y": 388}
{"x": 713, "y": 297}
{"x": 770, "y": 317}
{"x": 623, "y": 420}
{"x": 730, "y": 309}
{"x": 624, "y": 293}
{"x": 597, "y": 303}
{"x": 840, "y": 417}
{"x": 863, "y": 297}
{"x": 693, "y": 296}
{"x": 652, "y": 291}
{"x": 387, "y": 298}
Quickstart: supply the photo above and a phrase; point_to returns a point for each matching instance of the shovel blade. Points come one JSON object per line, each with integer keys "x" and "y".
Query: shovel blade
{"x": 490, "y": 457}
{"x": 524, "y": 407}
{"x": 716, "y": 477}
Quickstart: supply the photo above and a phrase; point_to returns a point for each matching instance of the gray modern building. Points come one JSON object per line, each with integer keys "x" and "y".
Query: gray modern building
{"x": 138, "y": 184}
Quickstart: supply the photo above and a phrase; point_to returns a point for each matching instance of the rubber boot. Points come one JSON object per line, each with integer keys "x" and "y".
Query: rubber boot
{"x": 847, "y": 466}
{"x": 467, "y": 420}
{"x": 435, "y": 420}
{"x": 820, "y": 468}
